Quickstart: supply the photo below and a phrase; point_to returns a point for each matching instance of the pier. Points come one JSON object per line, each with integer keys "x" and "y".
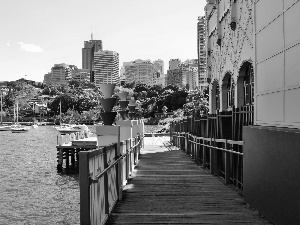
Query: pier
{"x": 167, "y": 187}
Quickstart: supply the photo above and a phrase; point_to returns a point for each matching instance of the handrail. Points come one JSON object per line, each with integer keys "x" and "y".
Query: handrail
{"x": 110, "y": 166}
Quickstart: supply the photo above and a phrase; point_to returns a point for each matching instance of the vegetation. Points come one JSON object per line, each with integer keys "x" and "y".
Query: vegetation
{"x": 79, "y": 101}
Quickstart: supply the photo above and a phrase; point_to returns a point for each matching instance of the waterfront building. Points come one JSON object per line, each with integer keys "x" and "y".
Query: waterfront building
{"x": 201, "y": 50}
{"x": 252, "y": 63}
{"x": 106, "y": 67}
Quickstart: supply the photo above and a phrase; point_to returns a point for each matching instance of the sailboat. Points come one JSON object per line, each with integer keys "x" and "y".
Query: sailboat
{"x": 17, "y": 128}
{"x": 3, "y": 127}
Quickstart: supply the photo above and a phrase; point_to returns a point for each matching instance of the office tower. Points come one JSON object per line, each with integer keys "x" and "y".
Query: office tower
{"x": 106, "y": 67}
{"x": 90, "y": 47}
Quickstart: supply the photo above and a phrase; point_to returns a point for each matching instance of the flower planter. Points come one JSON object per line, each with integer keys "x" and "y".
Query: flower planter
{"x": 107, "y": 89}
{"x": 124, "y": 114}
{"x": 131, "y": 115}
{"x": 123, "y": 95}
{"x": 131, "y": 108}
{"x": 108, "y": 117}
{"x": 132, "y": 102}
{"x": 123, "y": 104}
{"x": 108, "y": 103}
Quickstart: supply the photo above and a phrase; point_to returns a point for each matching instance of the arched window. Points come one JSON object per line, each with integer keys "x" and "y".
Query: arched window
{"x": 230, "y": 93}
{"x": 249, "y": 85}
{"x": 245, "y": 85}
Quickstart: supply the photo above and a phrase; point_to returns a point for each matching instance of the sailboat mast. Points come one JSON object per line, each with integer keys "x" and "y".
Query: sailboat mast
{"x": 60, "y": 112}
{"x": 1, "y": 106}
{"x": 17, "y": 112}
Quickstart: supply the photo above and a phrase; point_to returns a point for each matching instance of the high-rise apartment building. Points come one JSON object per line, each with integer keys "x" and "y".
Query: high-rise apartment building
{"x": 106, "y": 67}
{"x": 201, "y": 47}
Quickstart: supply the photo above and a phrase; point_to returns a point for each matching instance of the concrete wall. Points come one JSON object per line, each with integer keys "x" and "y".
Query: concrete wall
{"x": 271, "y": 172}
{"x": 277, "y": 69}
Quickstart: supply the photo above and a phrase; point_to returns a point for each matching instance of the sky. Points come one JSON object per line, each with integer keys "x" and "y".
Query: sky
{"x": 36, "y": 34}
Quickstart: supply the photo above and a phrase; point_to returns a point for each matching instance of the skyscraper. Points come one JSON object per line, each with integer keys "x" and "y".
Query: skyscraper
{"x": 88, "y": 54}
{"x": 106, "y": 67}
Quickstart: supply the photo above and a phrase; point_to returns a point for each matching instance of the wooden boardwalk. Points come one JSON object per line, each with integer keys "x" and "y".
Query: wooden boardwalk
{"x": 168, "y": 188}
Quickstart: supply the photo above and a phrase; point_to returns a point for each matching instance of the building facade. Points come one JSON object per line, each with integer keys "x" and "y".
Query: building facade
{"x": 106, "y": 67}
{"x": 253, "y": 49}
{"x": 60, "y": 73}
{"x": 201, "y": 50}
{"x": 143, "y": 72}
{"x": 90, "y": 47}
{"x": 230, "y": 53}
{"x": 80, "y": 74}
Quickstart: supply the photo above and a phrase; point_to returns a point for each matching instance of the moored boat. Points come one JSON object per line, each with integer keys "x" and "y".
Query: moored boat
{"x": 67, "y": 128}
{"x": 5, "y": 128}
{"x": 17, "y": 128}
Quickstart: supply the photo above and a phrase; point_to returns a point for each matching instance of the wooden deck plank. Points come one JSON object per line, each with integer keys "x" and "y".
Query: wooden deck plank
{"x": 168, "y": 188}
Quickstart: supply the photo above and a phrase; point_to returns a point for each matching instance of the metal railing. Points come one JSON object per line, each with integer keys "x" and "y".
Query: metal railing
{"x": 215, "y": 141}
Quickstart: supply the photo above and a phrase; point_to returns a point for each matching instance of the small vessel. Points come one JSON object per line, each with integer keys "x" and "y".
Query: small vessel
{"x": 17, "y": 128}
{"x": 5, "y": 128}
{"x": 68, "y": 128}
{"x": 34, "y": 126}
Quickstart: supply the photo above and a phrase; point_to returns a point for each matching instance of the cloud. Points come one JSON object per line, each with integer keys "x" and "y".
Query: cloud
{"x": 30, "y": 47}
{"x": 7, "y": 44}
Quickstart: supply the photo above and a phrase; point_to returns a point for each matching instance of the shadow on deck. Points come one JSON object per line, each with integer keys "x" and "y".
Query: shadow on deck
{"x": 168, "y": 188}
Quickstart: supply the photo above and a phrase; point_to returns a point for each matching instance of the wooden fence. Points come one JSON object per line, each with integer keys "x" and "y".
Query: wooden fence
{"x": 103, "y": 173}
{"x": 215, "y": 141}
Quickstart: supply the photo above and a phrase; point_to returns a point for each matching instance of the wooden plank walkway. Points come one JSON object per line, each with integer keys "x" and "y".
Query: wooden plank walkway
{"x": 168, "y": 188}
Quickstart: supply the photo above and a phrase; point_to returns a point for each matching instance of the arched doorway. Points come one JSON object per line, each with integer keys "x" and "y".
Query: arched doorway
{"x": 245, "y": 85}
{"x": 228, "y": 88}
{"x": 215, "y": 97}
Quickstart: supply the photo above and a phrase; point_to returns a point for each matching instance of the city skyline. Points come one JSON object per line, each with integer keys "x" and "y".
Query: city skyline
{"x": 36, "y": 35}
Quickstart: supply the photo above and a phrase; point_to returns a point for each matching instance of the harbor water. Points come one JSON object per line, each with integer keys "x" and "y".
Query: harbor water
{"x": 32, "y": 191}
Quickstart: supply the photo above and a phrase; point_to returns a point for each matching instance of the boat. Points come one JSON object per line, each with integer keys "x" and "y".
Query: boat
{"x": 5, "y": 128}
{"x": 34, "y": 126}
{"x": 17, "y": 128}
{"x": 70, "y": 128}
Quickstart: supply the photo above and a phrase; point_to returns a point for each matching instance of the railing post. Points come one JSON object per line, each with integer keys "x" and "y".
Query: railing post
{"x": 84, "y": 184}
{"x": 213, "y": 157}
{"x": 227, "y": 164}
{"x": 204, "y": 153}
{"x": 105, "y": 177}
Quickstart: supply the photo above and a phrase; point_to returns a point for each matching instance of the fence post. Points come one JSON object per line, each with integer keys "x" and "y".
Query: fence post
{"x": 84, "y": 184}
